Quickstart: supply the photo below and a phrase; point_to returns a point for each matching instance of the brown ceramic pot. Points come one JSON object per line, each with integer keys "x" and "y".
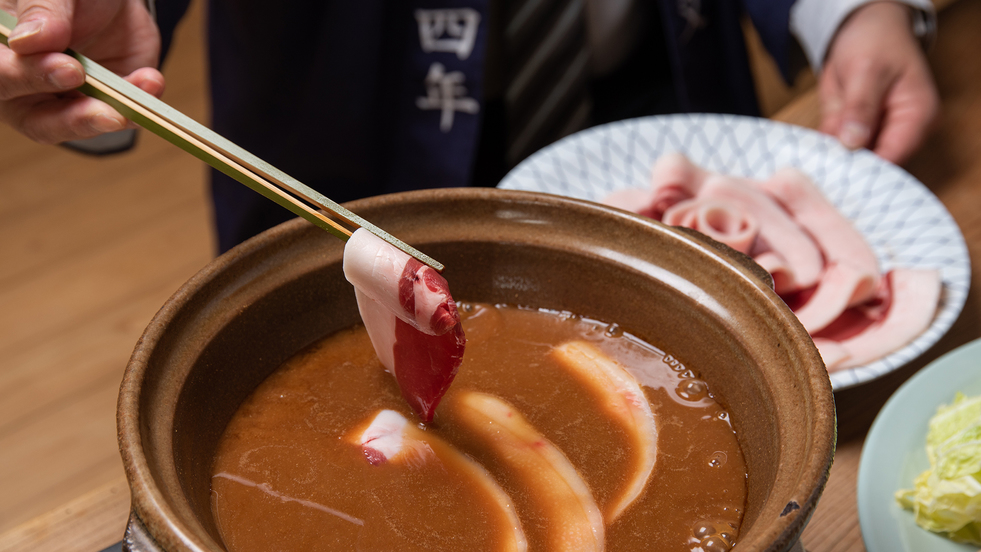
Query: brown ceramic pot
{"x": 248, "y": 311}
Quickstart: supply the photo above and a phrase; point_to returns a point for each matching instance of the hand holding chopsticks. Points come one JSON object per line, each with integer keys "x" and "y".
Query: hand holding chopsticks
{"x": 200, "y": 141}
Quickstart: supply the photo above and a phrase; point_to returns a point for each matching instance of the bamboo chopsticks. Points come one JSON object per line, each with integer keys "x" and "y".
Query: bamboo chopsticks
{"x": 207, "y": 145}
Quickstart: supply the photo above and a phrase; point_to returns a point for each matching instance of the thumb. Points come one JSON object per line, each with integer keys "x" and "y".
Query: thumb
{"x": 864, "y": 95}
{"x": 42, "y": 26}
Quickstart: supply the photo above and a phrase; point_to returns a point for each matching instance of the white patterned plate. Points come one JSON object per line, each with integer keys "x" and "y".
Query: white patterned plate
{"x": 904, "y": 222}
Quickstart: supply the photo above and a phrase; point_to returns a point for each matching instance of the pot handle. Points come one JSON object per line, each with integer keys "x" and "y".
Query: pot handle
{"x": 735, "y": 257}
{"x": 137, "y": 537}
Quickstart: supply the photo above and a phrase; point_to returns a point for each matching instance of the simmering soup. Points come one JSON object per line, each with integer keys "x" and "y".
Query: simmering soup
{"x": 558, "y": 433}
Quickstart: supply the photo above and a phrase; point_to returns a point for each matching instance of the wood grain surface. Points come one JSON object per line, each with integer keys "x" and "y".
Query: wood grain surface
{"x": 92, "y": 247}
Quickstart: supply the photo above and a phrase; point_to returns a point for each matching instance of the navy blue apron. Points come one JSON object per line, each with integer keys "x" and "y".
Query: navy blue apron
{"x": 354, "y": 99}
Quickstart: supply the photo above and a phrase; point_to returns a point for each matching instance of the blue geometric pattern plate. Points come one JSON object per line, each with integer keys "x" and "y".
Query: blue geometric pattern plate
{"x": 902, "y": 220}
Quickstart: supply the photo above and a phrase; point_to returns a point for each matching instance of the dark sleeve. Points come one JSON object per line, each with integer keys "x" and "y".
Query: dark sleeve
{"x": 772, "y": 21}
{"x": 168, "y": 14}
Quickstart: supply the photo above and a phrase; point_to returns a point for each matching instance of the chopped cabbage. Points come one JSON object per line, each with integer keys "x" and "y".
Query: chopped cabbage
{"x": 947, "y": 497}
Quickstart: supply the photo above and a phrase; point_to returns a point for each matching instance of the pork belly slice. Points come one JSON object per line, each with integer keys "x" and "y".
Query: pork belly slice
{"x": 837, "y": 290}
{"x": 783, "y": 275}
{"x": 718, "y": 220}
{"x": 410, "y": 316}
{"x": 635, "y": 200}
{"x": 914, "y": 295}
{"x": 389, "y": 439}
{"x": 415, "y": 292}
{"x": 840, "y": 242}
{"x": 777, "y": 231}
{"x": 832, "y": 352}
{"x": 572, "y": 521}
{"x": 622, "y": 399}
{"x": 673, "y": 179}
{"x": 675, "y": 169}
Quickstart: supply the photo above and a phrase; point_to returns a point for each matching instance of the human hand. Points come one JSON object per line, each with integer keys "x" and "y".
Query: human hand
{"x": 37, "y": 80}
{"x": 876, "y": 87}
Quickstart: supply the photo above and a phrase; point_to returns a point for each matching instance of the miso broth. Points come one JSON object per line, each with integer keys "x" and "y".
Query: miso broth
{"x": 288, "y": 475}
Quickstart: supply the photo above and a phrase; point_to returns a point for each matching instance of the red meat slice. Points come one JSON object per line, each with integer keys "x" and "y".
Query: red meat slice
{"x": 410, "y": 316}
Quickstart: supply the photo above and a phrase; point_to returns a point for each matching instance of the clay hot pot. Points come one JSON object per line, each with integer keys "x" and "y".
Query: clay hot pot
{"x": 251, "y": 309}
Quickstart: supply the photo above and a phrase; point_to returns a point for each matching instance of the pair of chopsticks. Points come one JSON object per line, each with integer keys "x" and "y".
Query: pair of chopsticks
{"x": 207, "y": 145}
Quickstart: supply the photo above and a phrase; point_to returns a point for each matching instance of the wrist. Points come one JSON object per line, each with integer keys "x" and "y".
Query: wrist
{"x": 815, "y": 23}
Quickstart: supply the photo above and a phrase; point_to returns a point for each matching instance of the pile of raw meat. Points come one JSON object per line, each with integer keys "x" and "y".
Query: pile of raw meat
{"x": 821, "y": 264}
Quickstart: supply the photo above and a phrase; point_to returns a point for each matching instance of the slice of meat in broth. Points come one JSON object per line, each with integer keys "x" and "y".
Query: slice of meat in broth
{"x": 572, "y": 520}
{"x": 390, "y": 440}
{"x": 623, "y": 400}
{"x": 416, "y": 293}
{"x": 410, "y": 316}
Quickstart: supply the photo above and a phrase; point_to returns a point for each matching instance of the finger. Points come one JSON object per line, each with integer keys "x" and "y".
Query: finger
{"x": 37, "y": 74}
{"x": 149, "y": 80}
{"x": 907, "y": 124}
{"x": 42, "y": 26}
{"x": 52, "y": 119}
{"x": 864, "y": 95}
{"x": 899, "y": 138}
{"x": 830, "y": 95}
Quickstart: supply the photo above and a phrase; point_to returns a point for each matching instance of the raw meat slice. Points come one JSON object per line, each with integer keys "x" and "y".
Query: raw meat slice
{"x": 623, "y": 400}
{"x": 832, "y": 353}
{"x": 915, "y": 294}
{"x": 783, "y": 275}
{"x": 822, "y": 266}
{"x": 674, "y": 178}
{"x": 835, "y": 292}
{"x": 718, "y": 220}
{"x": 384, "y": 438}
{"x": 390, "y": 439}
{"x": 425, "y": 365}
{"x": 840, "y": 242}
{"x": 635, "y": 200}
{"x": 778, "y": 231}
{"x": 410, "y": 316}
{"x": 675, "y": 169}
{"x": 574, "y": 522}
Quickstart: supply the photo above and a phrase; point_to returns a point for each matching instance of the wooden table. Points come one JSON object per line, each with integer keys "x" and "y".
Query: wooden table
{"x": 949, "y": 164}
